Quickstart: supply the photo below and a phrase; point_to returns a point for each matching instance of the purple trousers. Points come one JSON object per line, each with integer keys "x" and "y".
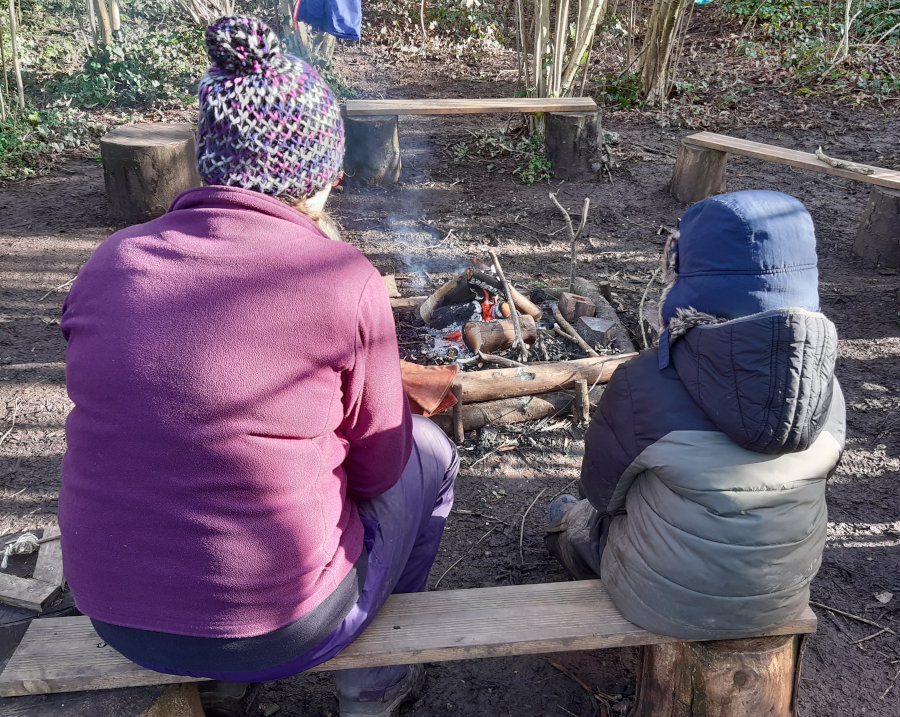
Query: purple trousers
{"x": 403, "y": 529}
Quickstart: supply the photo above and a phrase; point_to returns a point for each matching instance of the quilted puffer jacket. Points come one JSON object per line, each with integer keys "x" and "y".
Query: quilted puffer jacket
{"x": 714, "y": 469}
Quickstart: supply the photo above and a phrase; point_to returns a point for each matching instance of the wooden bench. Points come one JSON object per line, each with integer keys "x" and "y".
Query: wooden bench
{"x": 700, "y": 173}
{"x": 66, "y": 655}
{"x": 573, "y": 134}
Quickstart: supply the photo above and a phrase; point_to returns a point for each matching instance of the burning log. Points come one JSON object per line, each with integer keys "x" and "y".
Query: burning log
{"x": 512, "y": 410}
{"x": 497, "y": 335}
{"x": 537, "y": 378}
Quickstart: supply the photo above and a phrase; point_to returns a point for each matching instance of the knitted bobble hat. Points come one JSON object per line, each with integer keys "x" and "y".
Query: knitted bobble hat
{"x": 268, "y": 122}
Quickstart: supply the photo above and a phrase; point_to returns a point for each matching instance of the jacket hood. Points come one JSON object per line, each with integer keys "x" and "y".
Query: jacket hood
{"x": 765, "y": 380}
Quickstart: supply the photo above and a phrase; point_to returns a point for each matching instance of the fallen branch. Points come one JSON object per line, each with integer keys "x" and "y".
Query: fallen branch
{"x": 843, "y": 163}
{"x": 499, "y": 360}
{"x": 462, "y": 557}
{"x": 536, "y": 378}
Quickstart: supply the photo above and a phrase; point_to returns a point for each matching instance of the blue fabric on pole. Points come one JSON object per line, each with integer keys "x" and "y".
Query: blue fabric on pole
{"x": 702, "y": 2}
{"x": 341, "y": 18}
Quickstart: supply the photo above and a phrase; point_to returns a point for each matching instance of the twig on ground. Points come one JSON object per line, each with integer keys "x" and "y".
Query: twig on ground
{"x": 890, "y": 686}
{"x": 12, "y": 422}
{"x": 592, "y": 693}
{"x": 851, "y": 615}
{"x": 57, "y": 288}
{"x": 522, "y": 525}
{"x": 869, "y": 637}
{"x": 461, "y": 557}
{"x": 513, "y": 312}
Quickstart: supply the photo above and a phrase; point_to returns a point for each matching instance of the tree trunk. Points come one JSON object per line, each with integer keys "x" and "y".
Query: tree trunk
{"x": 727, "y": 678}
{"x": 104, "y": 22}
{"x": 536, "y": 378}
{"x": 878, "y": 236}
{"x": 145, "y": 166}
{"x": 317, "y": 47}
{"x": 115, "y": 16}
{"x": 658, "y": 44}
{"x": 13, "y": 31}
{"x": 373, "y": 149}
{"x": 92, "y": 21}
{"x": 574, "y": 142}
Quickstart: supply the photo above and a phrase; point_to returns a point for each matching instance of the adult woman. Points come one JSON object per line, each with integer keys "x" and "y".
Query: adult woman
{"x": 244, "y": 484}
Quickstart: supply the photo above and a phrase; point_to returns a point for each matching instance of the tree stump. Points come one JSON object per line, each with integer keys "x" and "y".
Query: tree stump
{"x": 727, "y": 678}
{"x": 145, "y": 166}
{"x": 373, "y": 149}
{"x": 573, "y": 142}
{"x": 699, "y": 173}
{"x": 878, "y": 236}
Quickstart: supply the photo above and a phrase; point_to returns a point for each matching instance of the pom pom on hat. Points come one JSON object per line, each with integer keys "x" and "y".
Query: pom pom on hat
{"x": 268, "y": 122}
{"x": 241, "y": 45}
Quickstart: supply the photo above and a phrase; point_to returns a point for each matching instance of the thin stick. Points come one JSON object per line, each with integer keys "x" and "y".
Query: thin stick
{"x": 513, "y": 312}
{"x": 843, "y": 163}
{"x": 13, "y": 423}
{"x": 39, "y": 542}
{"x": 641, "y": 308}
{"x": 57, "y": 288}
{"x": 17, "y": 68}
{"x": 462, "y": 557}
{"x": 582, "y": 403}
{"x": 874, "y": 634}
{"x": 890, "y": 686}
{"x": 499, "y": 360}
{"x": 522, "y": 525}
{"x": 851, "y": 615}
{"x": 573, "y": 235}
{"x": 567, "y": 327}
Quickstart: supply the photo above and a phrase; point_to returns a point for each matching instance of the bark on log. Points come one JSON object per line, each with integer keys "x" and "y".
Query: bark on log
{"x": 407, "y": 304}
{"x": 878, "y": 236}
{"x": 604, "y": 310}
{"x": 373, "y": 149}
{"x": 145, "y": 166}
{"x": 728, "y": 678}
{"x": 513, "y": 410}
{"x": 536, "y": 378}
{"x": 573, "y": 142}
{"x": 699, "y": 173}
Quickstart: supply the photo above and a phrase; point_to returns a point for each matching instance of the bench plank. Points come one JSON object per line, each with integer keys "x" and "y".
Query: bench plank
{"x": 357, "y": 108}
{"x": 65, "y": 654}
{"x": 792, "y": 158}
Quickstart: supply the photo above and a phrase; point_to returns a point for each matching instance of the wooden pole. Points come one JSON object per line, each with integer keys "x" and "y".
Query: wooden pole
{"x": 582, "y": 407}
{"x": 459, "y": 434}
{"x": 536, "y": 378}
{"x": 514, "y": 312}
{"x": 13, "y": 30}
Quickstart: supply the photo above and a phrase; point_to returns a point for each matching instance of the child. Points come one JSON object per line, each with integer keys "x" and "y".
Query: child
{"x": 706, "y": 461}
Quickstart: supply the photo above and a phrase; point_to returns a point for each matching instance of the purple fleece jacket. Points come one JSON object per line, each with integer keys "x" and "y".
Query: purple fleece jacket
{"x": 236, "y": 383}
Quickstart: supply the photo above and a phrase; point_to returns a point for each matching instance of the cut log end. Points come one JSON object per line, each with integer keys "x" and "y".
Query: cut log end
{"x": 699, "y": 173}
{"x": 574, "y": 142}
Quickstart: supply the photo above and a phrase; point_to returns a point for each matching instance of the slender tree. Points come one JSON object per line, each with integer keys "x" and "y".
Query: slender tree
{"x": 658, "y": 45}
{"x": 13, "y": 31}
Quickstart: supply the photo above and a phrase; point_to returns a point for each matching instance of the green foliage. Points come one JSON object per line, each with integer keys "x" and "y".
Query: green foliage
{"x": 460, "y": 24}
{"x": 622, "y": 90}
{"x": 28, "y": 141}
{"x": 532, "y": 163}
{"x": 161, "y": 66}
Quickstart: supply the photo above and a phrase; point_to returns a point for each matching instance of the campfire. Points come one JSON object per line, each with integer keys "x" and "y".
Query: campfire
{"x": 556, "y": 348}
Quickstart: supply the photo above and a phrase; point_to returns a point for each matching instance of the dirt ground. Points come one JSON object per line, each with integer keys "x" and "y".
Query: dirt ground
{"x": 441, "y": 216}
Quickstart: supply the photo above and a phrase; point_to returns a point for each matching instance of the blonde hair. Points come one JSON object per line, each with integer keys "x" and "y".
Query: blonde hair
{"x": 322, "y": 219}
